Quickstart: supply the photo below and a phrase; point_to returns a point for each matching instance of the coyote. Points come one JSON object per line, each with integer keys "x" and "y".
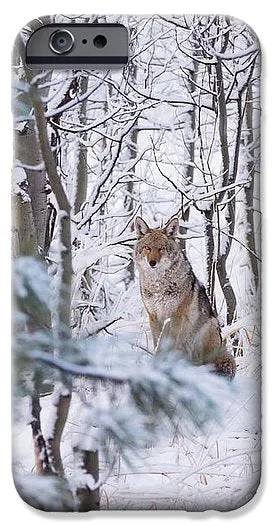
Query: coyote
{"x": 176, "y": 302}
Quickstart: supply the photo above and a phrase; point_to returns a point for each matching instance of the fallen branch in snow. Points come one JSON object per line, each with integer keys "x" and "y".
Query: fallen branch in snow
{"x": 249, "y": 320}
{"x": 94, "y": 328}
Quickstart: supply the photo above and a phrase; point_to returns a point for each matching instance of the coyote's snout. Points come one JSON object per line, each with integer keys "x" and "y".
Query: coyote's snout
{"x": 171, "y": 293}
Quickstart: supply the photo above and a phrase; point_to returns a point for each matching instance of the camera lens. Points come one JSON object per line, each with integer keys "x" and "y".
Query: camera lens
{"x": 100, "y": 41}
{"x": 61, "y": 41}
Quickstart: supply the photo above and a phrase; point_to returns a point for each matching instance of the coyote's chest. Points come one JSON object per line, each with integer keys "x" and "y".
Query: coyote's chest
{"x": 161, "y": 298}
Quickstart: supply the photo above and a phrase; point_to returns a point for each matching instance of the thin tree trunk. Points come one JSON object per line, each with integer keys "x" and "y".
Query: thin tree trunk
{"x": 29, "y": 216}
{"x": 27, "y": 150}
{"x": 189, "y": 146}
{"x": 88, "y": 499}
{"x": 210, "y": 256}
{"x": 249, "y": 188}
{"x": 63, "y": 306}
{"x": 42, "y": 463}
{"x": 82, "y": 171}
{"x": 24, "y": 239}
{"x": 128, "y": 201}
{"x": 227, "y": 289}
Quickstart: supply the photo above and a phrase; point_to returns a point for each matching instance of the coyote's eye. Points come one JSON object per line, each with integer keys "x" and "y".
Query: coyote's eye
{"x": 147, "y": 248}
{"x": 162, "y": 249}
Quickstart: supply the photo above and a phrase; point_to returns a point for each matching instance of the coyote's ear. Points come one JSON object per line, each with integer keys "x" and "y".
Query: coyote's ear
{"x": 141, "y": 227}
{"x": 172, "y": 227}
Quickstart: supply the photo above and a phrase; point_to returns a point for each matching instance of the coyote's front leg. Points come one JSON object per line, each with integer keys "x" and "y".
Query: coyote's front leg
{"x": 156, "y": 328}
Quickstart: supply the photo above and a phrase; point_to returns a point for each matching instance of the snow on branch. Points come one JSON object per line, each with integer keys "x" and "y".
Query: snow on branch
{"x": 237, "y": 54}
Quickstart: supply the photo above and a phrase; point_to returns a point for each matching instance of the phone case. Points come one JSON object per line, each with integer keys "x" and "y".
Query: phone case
{"x": 136, "y": 271}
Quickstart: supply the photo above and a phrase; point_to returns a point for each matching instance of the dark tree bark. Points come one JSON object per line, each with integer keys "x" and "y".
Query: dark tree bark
{"x": 88, "y": 499}
{"x": 82, "y": 171}
{"x": 42, "y": 463}
{"x": 128, "y": 201}
{"x": 189, "y": 148}
{"x": 249, "y": 188}
{"x": 226, "y": 286}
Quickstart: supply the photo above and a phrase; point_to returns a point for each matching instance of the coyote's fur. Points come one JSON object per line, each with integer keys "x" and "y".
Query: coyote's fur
{"x": 170, "y": 291}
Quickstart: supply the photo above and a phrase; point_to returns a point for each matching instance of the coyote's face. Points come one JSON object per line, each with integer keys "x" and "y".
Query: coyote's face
{"x": 155, "y": 247}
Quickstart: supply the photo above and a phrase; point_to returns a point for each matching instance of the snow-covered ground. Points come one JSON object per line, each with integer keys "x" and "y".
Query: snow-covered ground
{"x": 186, "y": 469}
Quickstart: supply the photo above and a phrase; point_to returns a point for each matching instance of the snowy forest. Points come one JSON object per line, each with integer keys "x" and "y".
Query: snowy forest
{"x": 99, "y": 420}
